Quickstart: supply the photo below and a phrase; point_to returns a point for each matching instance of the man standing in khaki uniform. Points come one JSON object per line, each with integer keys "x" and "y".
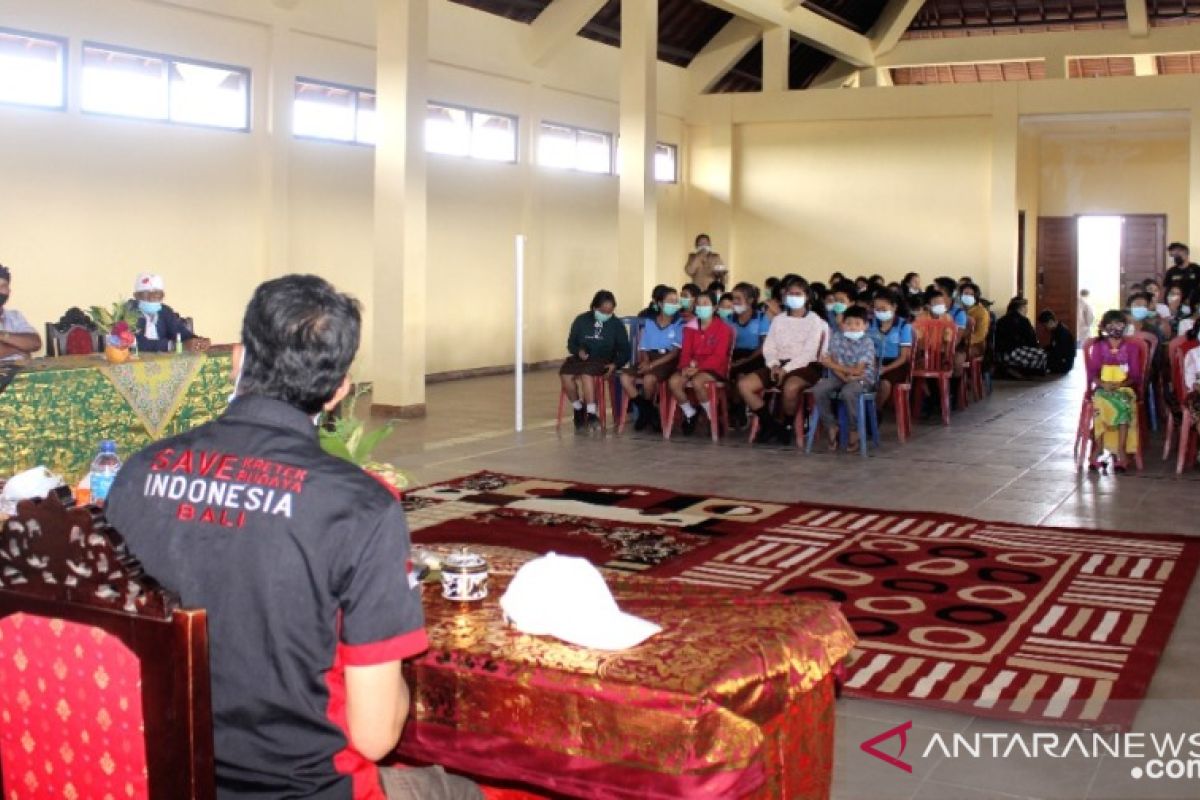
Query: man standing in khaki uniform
{"x": 705, "y": 266}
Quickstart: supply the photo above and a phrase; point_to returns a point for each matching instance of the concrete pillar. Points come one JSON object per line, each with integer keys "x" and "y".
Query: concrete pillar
{"x": 1000, "y": 280}
{"x": 281, "y": 90}
{"x": 638, "y": 217}
{"x": 777, "y": 49}
{"x": 1194, "y": 182}
{"x": 400, "y": 216}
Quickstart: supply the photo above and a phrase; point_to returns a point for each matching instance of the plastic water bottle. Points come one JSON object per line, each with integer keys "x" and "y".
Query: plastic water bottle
{"x": 104, "y": 470}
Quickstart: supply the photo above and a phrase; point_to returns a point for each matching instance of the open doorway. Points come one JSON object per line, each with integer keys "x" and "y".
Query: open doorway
{"x": 1099, "y": 268}
{"x": 1105, "y": 254}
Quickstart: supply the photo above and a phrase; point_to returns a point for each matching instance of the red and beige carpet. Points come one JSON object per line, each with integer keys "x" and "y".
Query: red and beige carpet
{"x": 1046, "y": 625}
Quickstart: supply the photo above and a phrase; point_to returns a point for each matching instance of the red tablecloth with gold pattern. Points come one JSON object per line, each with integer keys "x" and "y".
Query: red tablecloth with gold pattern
{"x": 733, "y": 699}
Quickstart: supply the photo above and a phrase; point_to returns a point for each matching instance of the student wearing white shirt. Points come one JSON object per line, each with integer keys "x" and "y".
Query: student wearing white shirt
{"x": 1191, "y": 377}
{"x": 18, "y": 339}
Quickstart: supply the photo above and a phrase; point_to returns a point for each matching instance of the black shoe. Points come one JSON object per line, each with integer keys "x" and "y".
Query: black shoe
{"x": 593, "y": 422}
{"x": 644, "y": 412}
{"x": 786, "y": 435}
{"x": 768, "y": 429}
{"x": 689, "y": 424}
{"x": 580, "y": 418}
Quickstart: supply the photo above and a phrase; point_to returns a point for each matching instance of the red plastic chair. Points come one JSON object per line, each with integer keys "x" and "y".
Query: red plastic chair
{"x": 902, "y": 399}
{"x": 934, "y": 344}
{"x": 718, "y": 401}
{"x": 600, "y": 392}
{"x": 1177, "y": 350}
{"x": 1084, "y": 441}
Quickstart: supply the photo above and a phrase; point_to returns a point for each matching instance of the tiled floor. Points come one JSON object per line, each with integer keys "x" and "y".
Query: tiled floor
{"x": 1008, "y": 458}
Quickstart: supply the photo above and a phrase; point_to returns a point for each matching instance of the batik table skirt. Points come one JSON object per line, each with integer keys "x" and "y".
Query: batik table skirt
{"x": 55, "y": 411}
{"x": 734, "y": 699}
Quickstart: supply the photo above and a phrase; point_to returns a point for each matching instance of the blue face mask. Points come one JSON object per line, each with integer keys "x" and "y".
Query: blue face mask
{"x": 670, "y": 309}
{"x": 884, "y": 316}
{"x": 838, "y": 308}
{"x": 146, "y": 307}
{"x": 967, "y": 300}
{"x": 685, "y": 303}
{"x": 704, "y": 312}
{"x": 1139, "y": 312}
{"x": 601, "y": 316}
{"x": 854, "y": 336}
{"x": 725, "y": 313}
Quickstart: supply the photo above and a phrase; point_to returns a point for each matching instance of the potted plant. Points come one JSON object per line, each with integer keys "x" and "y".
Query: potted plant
{"x": 346, "y": 437}
{"x": 117, "y": 324}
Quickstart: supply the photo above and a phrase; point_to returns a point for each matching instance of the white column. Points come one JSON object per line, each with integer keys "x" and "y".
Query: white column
{"x": 1001, "y": 277}
{"x": 400, "y": 214}
{"x": 638, "y": 218}
{"x": 278, "y": 141}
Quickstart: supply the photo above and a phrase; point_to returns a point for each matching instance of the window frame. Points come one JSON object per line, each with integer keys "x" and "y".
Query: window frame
{"x": 358, "y": 92}
{"x": 674, "y": 148}
{"x": 64, "y": 44}
{"x": 471, "y": 112}
{"x": 170, "y": 60}
{"x": 577, "y": 129}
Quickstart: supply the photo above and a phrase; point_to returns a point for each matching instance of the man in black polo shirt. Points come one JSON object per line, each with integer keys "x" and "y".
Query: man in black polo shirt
{"x": 300, "y": 560}
{"x": 1182, "y": 271}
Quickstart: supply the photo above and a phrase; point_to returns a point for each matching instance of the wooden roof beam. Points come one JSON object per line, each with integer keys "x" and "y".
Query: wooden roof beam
{"x": 1139, "y": 20}
{"x": 893, "y": 22}
{"x": 823, "y": 34}
{"x": 557, "y": 25}
{"x": 722, "y": 53}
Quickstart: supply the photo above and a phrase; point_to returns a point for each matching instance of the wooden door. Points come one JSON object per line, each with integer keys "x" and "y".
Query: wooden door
{"x": 1143, "y": 248}
{"x": 1057, "y": 267}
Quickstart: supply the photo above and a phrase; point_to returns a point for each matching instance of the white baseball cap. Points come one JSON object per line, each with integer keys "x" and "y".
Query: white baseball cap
{"x": 567, "y": 598}
{"x": 148, "y": 282}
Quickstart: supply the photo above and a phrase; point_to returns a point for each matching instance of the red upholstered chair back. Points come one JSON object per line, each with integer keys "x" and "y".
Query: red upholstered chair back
{"x": 80, "y": 341}
{"x": 934, "y": 342}
{"x": 1177, "y": 350}
{"x": 104, "y": 683}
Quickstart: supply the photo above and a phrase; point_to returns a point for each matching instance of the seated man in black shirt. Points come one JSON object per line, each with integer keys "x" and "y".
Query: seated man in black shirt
{"x": 300, "y": 560}
{"x": 159, "y": 326}
{"x": 1060, "y": 352}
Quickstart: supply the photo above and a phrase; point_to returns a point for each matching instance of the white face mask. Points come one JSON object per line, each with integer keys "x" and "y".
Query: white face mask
{"x": 968, "y": 300}
{"x": 704, "y": 248}
{"x": 795, "y": 301}
{"x": 938, "y": 309}
{"x": 739, "y": 310}
{"x": 1130, "y": 330}
{"x": 854, "y": 336}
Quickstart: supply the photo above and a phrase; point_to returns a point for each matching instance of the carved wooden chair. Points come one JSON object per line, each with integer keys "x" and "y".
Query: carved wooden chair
{"x": 104, "y": 681}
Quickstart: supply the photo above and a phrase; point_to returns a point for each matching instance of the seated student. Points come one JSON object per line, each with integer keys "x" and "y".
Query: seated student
{"x": 1145, "y": 318}
{"x": 652, "y": 310}
{"x": 725, "y": 307}
{"x": 840, "y": 297}
{"x": 877, "y": 282}
{"x": 598, "y": 345}
{"x": 853, "y": 371}
{"x": 915, "y": 307}
{"x": 716, "y": 288}
{"x": 1060, "y": 352}
{"x": 1114, "y": 369}
{"x": 749, "y": 329}
{"x": 1175, "y": 310}
{"x": 912, "y": 284}
{"x": 703, "y": 359}
{"x": 793, "y": 348}
{"x": 310, "y": 607}
{"x": 18, "y": 339}
{"x": 893, "y": 339}
{"x": 941, "y": 297}
{"x": 1191, "y": 379}
{"x": 658, "y": 353}
{"x": 159, "y": 326}
{"x": 835, "y": 278}
{"x": 687, "y": 304}
{"x": 1018, "y": 352}
{"x": 968, "y": 298}
{"x": 861, "y": 284}
{"x": 768, "y": 290}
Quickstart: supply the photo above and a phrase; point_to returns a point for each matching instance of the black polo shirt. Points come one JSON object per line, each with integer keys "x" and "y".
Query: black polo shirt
{"x": 300, "y": 560}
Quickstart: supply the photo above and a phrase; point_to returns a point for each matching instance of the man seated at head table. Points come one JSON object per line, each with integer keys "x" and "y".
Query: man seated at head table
{"x": 18, "y": 339}
{"x": 300, "y": 560}
{"x": 159, "y": 325}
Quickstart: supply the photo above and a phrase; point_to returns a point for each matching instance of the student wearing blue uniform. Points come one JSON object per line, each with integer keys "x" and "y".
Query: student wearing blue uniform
{"x": 893, "y": 338}
{"x": 657, "y": 357}
{"x": 750, "y": 326}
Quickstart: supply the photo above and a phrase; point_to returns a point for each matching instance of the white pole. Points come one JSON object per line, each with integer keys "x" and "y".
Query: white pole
{"x": 520, "y": 336}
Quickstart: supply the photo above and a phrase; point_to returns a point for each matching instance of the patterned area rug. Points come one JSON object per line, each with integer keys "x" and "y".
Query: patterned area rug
{"x": 1045, "y": 625}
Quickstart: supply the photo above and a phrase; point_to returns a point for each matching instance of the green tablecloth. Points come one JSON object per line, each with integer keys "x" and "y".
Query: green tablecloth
{"x": 57, "y": 410}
